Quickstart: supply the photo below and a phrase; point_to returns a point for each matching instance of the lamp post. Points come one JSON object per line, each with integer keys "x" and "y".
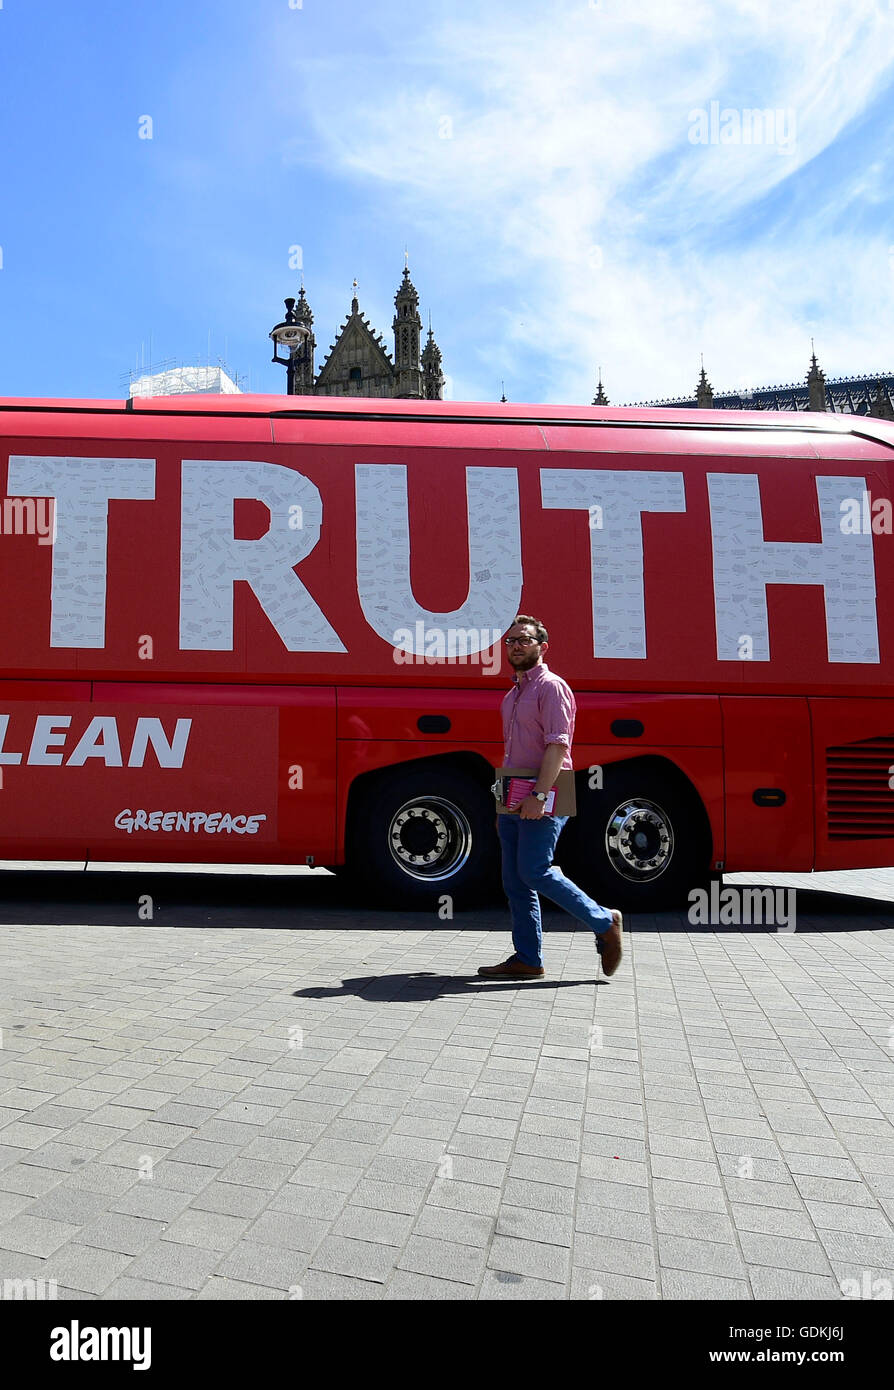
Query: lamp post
{"x": 289, "y": 334}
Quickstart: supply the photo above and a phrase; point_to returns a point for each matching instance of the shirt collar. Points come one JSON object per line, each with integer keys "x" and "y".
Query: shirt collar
{"x": 536, "y": 673}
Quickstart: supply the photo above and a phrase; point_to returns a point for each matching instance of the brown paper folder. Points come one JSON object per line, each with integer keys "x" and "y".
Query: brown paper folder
{"x": 566, "y": 802}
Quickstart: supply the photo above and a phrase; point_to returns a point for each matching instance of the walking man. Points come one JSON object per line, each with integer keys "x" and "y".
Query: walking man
{"x": 538, "y": 728}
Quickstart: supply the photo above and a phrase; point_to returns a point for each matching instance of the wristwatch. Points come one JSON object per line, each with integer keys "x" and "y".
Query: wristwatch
{"x": 540, "y": 796}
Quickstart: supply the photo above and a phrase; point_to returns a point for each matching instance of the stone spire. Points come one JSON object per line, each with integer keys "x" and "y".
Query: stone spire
{"x": 303, "y": 357}
{"x": 600, "y": 398}
{"x": 816, "y": 384}
{"x": 704, "y": 391}
{"x": 407, "y": 333}
{"x": 432, "y": 373}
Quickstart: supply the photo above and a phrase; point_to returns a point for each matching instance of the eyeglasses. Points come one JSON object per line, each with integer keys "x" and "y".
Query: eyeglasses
{"x": 521, "y": 641}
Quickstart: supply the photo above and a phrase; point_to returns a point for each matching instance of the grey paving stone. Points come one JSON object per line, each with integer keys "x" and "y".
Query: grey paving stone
{"x": 407, "y": 1284}
{"x": 387, "y": 1196}
{"x": 773, "y": 1221}
{"x": 459, "y": 1196}
{"x": 614, "y": 1255}
{"x": 180, "y": 1177}
{"x": 122, "y": 1234}
{"x": 599, "y": 1285}
{"x": 183, "y": 1266}
{"x": 840, "y": 1216}
{"x": 834, "y": 1190}
{"x": 256, "y": 1172}
{"x": 785, "y": 1284}
{"x": 66, "y": 1204}
{"x": 322, "y": 1285}
{"x": 777, "y": 1195}
{"x": 679, "y": 1284}
{"x": 715, "y": 1227}
{"x": 690, "y": 1195}
{"x": 451, "y": 1224}
{"x": 11, "y": 1203}
{"x": 622, "y": 1171}
{"x": 179, "y": 1112}
{"x": 700, "y": 1256}
{"x": 360, "y": 1259}
{"x": 35, "y": 1235}
{"x": 365, "y": 1223}
{"x": 208, "y": 1230}
{"x": 618, "y": 1196}
{"x": 499, "y": 1284}
{"x": 869, "y": 1250}
{"x": 442, "y": 1259}
{"x": 141, "y": 1290}
{"x": 528, "y": 1257}
{"x": 289, "y": 1230}
{"x": 781, "y": 1252}
{"x": 86, "y": 1268}
{"x": 229, "y": 1199}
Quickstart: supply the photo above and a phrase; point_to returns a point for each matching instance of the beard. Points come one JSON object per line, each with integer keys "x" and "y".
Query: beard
{"x": 523, "y": 661}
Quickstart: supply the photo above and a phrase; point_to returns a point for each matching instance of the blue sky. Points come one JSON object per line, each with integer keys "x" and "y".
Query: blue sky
{"x": 541, "y": 161}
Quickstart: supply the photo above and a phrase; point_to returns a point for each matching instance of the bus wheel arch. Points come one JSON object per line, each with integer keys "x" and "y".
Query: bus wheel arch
{"x": 421, "y": 833}
{"x": 642, "y": 839}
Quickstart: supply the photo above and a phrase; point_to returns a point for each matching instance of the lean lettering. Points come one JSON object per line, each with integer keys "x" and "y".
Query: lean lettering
{"x": 76, "y": 1343}
{"x": 50, "y": 744}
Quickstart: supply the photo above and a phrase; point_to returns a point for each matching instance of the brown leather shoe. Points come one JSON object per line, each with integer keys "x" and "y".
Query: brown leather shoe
{"x": 608, "y": 944}
{"x": 512, "y": 966}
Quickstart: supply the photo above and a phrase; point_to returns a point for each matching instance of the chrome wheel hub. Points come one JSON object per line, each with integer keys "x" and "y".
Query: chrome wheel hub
{"x": 639, "y": 840}
{"x": 430, "y": 838}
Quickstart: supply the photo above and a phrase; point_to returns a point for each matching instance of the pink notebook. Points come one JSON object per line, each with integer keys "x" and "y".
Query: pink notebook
{"x": 520, "y": 787}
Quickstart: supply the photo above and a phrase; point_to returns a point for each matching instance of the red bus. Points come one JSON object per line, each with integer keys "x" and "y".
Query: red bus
{"x": 261, "y": 629}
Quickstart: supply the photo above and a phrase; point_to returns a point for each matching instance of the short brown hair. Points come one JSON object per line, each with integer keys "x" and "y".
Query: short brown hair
{"x": 540, "y": 632}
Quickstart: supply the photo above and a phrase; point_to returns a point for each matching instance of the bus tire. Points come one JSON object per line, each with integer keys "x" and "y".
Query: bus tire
{"x": 642, "y": 842}
{"x": 423, "y": 837}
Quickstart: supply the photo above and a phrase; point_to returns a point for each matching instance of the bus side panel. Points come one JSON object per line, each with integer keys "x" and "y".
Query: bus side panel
{"x": 853, "y": 744}
{"x": 248, "y": 752}
{"x": 671, "y": 721}
{"x": 767, "y": 748}
{"x": 37, "y": 817}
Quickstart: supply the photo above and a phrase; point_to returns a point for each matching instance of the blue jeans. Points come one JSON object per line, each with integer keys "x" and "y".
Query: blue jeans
{"x": 528, "y": 847}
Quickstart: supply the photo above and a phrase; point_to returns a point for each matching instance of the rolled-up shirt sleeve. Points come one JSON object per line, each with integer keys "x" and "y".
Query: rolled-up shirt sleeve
{"x": 557, "y": 711}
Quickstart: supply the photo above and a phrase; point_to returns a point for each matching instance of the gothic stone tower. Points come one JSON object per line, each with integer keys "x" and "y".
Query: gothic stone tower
{"x": 358, "y": 362}
{"x": 407, "y": 333}
{"x": 432, "y": 373}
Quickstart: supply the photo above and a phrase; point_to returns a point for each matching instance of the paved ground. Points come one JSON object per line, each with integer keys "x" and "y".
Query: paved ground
{"x": 259, "y": 1094}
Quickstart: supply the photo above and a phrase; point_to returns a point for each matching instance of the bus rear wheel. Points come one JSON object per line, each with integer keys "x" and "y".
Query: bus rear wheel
{"x": 423, "y": 837}
{"x": 640, "y": 842}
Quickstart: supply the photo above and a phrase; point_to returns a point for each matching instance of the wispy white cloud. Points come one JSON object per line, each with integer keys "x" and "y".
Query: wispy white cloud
{"x": 547, "y": 149}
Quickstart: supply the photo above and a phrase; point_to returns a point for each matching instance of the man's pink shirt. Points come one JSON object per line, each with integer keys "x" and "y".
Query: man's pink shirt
{"x": 538, "y": 710}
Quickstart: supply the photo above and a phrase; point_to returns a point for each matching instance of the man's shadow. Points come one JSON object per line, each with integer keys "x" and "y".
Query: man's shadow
{"x": 427, "y": 985}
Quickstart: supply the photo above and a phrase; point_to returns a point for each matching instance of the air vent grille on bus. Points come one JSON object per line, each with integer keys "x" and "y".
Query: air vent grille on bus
{"x": 860, "y": 799}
